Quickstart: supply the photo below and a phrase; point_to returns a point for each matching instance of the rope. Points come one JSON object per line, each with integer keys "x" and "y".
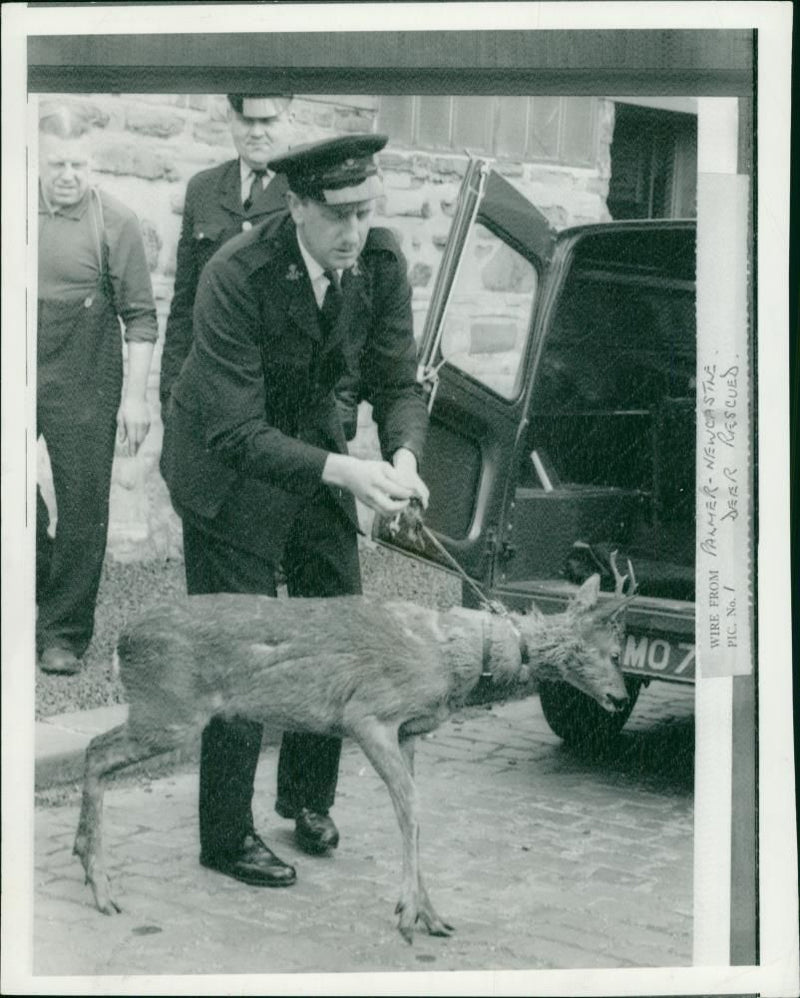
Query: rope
{"x": 493, "y": 606}
{"x": 496, "y": 608}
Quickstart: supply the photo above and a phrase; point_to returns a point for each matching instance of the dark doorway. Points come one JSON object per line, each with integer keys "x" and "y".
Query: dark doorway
{"x": 653, "y": 164}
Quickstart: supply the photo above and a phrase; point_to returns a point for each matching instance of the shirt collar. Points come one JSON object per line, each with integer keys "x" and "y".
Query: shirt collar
{"x": 315, "y": 271}
{"x": 246, "y": 173}
{"x": 74, "y": 211}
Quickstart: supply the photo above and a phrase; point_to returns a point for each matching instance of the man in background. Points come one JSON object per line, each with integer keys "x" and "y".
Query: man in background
{"x": 220, "y": 203}
{"x": 92, "y": 274}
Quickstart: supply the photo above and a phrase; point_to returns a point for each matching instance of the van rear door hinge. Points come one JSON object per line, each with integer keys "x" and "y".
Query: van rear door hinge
{"x": 497, "y": 549}
{"x": 507, "y": 551}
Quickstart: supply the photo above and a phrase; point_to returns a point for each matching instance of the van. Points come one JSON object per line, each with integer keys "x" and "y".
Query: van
{"x": 560, "y": 370}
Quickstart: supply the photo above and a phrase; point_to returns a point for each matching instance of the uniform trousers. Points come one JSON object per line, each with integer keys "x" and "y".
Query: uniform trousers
{"x": 320, "y": 558}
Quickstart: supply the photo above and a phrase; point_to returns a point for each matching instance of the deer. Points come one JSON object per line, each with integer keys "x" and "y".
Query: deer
{"x": 381, "y": 672}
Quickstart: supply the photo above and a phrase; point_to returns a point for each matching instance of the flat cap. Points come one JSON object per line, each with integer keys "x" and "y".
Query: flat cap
{"x": 335, "y": 171}
{"x": 259, "y": 105}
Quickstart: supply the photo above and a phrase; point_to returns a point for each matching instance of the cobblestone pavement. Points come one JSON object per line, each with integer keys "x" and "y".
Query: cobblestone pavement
{"x": 540, "y": 859}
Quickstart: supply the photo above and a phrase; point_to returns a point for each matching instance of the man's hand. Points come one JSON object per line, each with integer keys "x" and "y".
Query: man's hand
{"x": 133, "y": 418}
{"x": 376, "y": 483}
{"x": 405, "y": 464}
{"x": 133, "y": 423}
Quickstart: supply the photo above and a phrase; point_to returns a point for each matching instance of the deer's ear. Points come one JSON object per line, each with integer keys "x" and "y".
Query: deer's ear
{"x": 586, "y": 596}
{"x": 613, "y": 609}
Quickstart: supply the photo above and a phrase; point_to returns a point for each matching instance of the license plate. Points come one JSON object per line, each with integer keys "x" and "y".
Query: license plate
{"x": 657, "y": 656}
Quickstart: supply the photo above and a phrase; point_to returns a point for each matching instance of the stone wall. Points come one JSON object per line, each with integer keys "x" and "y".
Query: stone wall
{"x": 145, "y": 147}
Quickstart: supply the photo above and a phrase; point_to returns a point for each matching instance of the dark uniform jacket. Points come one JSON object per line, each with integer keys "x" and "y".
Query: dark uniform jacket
{"x": 212, "y": 214}
{"x": 253, "y": 415}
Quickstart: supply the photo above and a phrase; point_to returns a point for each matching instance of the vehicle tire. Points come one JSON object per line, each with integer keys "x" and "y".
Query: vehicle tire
{"x": 579, "y": 720}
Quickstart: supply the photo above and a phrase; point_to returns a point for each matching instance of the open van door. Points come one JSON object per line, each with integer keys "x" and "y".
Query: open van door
{"x": 476, "y": 356}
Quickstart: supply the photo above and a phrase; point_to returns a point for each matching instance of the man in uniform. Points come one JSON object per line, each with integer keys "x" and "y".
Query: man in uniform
{"x": 92, "y": 273}
{"x": 221, "y": 203}
{"x": 256, "y": 460}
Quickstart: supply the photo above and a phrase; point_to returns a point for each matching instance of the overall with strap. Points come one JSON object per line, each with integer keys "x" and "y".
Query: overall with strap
{"x": 79, "y": 386}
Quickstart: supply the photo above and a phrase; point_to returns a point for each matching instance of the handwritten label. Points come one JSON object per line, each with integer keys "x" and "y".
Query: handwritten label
{"x": 724, "y": 469}
{"x": 720, "y": 495}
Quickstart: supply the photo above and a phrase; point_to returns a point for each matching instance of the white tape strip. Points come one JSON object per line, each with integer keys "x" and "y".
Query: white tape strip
{"x": 724, "y": 462}
{"x": 722, "y": 369}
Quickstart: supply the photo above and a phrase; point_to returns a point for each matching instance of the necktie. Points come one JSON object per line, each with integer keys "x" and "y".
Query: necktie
{"x": 256, "y": 187}
{"x": 332, "y": 302}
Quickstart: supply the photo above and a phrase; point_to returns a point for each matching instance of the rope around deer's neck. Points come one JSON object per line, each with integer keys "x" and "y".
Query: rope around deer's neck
{"x": 494, "y": 607}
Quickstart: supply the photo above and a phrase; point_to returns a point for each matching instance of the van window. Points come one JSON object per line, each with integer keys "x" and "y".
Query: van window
{"x": 487, "y": 320}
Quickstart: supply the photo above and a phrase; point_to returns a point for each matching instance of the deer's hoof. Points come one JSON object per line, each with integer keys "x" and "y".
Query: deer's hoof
{"x": 435, "y": 925}
{"x": 439, "y": 928}
{"x": 103, "y": 900}
{"x": 407, "y": 921}
{"x": 407, "y": 932}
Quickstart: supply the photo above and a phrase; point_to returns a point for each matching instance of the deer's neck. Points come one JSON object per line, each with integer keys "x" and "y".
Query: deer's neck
{"x": 479, "y": 643}
{"x": 467, "y": 642}
{"x": 548, "y": 640}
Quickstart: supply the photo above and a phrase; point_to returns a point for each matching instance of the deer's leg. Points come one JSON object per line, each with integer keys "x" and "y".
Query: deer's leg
{"x": 381, "y": 746}
{"x": 106, "y": 753}
{"x": 407, "y": 745}
{"x": 434, "y": 924}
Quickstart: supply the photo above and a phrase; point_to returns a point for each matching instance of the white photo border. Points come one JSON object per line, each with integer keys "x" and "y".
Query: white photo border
{"x": 778, "y": 970}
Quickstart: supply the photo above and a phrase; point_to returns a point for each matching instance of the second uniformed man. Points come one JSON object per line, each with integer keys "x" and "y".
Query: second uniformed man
{"x": 220, "y": 203}
{"x": 256, "y": 460}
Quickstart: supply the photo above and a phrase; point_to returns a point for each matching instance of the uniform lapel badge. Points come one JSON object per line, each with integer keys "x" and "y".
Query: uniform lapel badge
{"x": 354, "y": 270}
{"x": 293, "y": 273}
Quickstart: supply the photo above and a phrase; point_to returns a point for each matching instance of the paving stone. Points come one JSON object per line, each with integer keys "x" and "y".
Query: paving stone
{"x": 551, "y": 954}
{"x": 590, "y": 939}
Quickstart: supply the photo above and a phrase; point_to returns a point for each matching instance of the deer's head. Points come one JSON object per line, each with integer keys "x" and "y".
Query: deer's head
{"x": 581, "y": 646}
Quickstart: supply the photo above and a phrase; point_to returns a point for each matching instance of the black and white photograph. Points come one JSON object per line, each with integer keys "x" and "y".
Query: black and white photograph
{"x": 396, "y": 580}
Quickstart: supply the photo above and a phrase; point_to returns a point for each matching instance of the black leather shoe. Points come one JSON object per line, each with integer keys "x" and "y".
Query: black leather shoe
{"x": 315, "y": 833}
{"x": 59, "y": 661}
{"x": 254, "y": 864}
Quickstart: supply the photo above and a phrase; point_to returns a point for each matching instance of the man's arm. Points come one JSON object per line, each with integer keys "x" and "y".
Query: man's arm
{"x": 133, "y": 298}
{"x": 377, "y": 484}
{"x": 178, "y": 332}
{"x": 226, "y": 371}
{"x": 390, "y": 366}
{"x": 406, "y": 468}
{"x": 133, "y": 418}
